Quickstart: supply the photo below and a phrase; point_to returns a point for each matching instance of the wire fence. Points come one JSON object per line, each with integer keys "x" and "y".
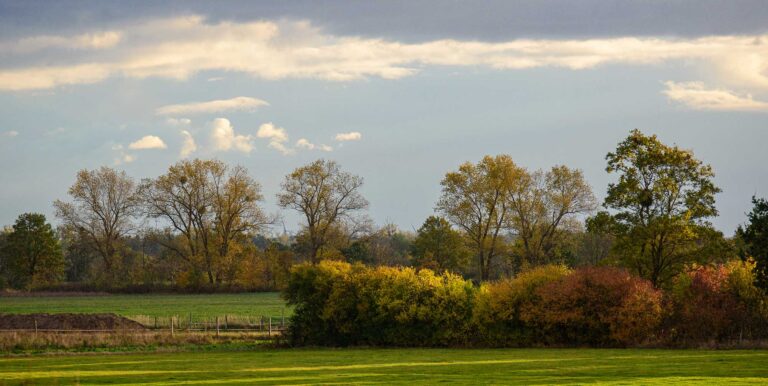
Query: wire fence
{"x": 207, "y": 323}
{"x": 262, "y": 325}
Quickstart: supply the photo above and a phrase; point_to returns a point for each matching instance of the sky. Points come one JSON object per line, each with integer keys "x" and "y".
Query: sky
{"x": 399, "y": 92}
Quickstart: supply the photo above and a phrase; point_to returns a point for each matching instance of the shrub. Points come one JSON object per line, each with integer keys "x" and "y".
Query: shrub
{"x": 715, "y": 304}
{"x": 427, "y": 309}
{"x": 497, "y": 306}
{"x": 340, "y": 304}
{"x": 597, "y": 306}
{"x": 309, "y": 289}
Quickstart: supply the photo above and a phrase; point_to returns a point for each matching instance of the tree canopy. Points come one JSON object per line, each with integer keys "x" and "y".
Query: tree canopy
{"x": 755, "y": 236}
{"x": 31, "y": 253}
{"x": 212, "y": 207}
{"x": 324, "y": 195}
{"x": 104, "y": 202}
{"x": 662, "y": 199}
{"x": 439, "y": 246}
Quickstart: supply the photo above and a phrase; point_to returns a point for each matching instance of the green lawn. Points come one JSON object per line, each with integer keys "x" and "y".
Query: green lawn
{"x": 389, "y": 366}
{"x": 251, "y": 304}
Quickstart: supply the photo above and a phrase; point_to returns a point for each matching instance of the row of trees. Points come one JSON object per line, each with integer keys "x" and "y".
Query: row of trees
{"x": 201, "y": 224}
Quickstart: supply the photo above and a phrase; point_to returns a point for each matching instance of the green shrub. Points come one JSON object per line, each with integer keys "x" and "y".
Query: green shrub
{"x": 340, "y": 304}
{"x": 309, "y": 289}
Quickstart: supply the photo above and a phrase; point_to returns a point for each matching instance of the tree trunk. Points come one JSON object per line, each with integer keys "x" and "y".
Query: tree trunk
{"x": 484, "y": 267}
{"x": 313, "y": 254}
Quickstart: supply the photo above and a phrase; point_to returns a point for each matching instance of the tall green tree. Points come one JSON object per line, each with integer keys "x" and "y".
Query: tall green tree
{"x": 438, "y": 245}
{"x": 32, "y": 253}
{"x": 755, "y": 237}
{"x": 662, "y": 200}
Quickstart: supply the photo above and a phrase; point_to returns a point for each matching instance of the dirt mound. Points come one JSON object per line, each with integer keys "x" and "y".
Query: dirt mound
{"x": 67, "y": 322}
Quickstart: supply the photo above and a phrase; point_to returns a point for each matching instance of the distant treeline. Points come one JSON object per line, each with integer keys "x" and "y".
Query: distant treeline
{"x": 201, "y": 225}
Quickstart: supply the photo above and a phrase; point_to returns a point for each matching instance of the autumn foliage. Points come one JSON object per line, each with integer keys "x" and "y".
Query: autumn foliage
{"x": 339, "y": 304}
{"x": 595, "y": 306}
{"x": 716, "y": 303}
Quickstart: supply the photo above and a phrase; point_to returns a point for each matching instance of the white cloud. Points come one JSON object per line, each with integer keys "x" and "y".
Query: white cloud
{"x": 35, "y": 78}
{"x": 188, "y": 146}
{"x": 122, "y": 157}
{"x": 178, "y": 121}
{"x": 351, "y": 136}
{"x": 90, "y": 41}
{"x": 11, "y": 133}
{"x": 696, "y": 96}
{"x": 178, "y": 48}
{"x": 223, "y": 137}
{"x": 279, "y": 146}
{"x": 148, "y": 142}
{"x": 276, "y": 135}
{"x": 216, "y": 106}
{"x": 269, "y": 130}
{"x": 303, "y": 143}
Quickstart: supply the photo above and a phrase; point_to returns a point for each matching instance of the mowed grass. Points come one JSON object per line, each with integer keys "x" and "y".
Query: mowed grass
{"x": 162, "y": 305}
{"x": 395, "y": 366}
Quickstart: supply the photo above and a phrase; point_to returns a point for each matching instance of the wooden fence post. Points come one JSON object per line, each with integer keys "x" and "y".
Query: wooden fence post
{"x": 35, "y": 328}
{"x": 217, "y": 326}
{"x": 189, "y": 324}
{"x": 270, "y": 327}
{"x": 171, "y": 325}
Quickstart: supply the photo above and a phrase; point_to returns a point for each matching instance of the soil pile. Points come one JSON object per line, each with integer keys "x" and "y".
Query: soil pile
{"x": 67, "y": 322}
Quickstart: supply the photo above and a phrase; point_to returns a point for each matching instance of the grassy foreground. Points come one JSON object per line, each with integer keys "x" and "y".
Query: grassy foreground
{"x": 388, "y": 366}
{"x": 162, "y": 305}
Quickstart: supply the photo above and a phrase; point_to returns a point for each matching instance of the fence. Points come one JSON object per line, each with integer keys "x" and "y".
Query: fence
{"x": 258, "y": 325}
{"x": 235, "y": 323}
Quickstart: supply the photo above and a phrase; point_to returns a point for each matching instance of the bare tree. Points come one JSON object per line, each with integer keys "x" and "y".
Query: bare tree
{"x": 210, "y": 207}
{"x": 104, "y": 202}
{"x": 325, "y": 195}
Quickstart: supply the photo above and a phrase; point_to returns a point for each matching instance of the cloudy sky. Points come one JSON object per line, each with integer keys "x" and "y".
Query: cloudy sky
{"x": 399, "y": 92}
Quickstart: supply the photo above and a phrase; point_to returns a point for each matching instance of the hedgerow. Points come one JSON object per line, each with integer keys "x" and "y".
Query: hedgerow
{"x": 340, "y": 304}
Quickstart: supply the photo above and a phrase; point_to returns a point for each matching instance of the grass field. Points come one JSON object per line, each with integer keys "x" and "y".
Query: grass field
{"x": 389, "y": 366}
{"x": 250, "y": 304}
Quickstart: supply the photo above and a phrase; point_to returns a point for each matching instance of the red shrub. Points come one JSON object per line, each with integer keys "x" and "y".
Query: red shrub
{"x": 714, "y": 304}
{"x": 599, "y": 306}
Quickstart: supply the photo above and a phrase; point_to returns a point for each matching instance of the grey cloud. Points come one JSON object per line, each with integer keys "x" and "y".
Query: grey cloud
{"x": 417, "y": 20}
